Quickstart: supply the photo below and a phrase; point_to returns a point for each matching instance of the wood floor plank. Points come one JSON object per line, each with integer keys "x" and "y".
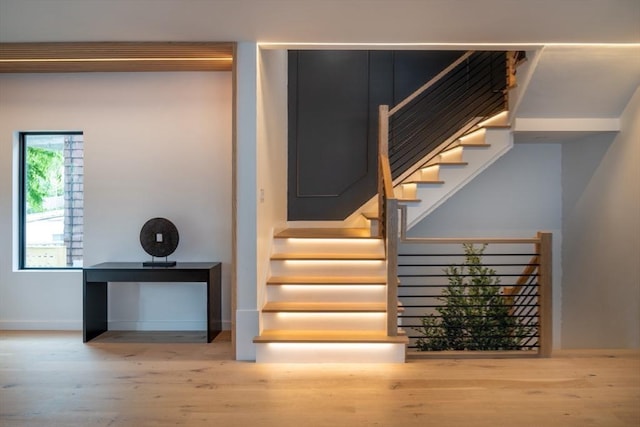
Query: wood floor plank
{"x": 53, "y": 379}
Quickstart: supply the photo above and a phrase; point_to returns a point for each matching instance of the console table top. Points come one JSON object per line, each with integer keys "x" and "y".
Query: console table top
{"x": 139, "y": 266}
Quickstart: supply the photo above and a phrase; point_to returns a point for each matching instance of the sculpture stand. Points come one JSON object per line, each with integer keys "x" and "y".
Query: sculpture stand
{"x": 154, "y": 263}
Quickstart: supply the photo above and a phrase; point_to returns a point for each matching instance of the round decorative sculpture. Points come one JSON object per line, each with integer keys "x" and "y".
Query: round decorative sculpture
{"x": 159, "y": 237}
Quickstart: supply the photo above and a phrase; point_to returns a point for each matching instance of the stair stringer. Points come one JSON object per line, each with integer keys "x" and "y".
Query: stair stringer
{"x": 456, "y": 177}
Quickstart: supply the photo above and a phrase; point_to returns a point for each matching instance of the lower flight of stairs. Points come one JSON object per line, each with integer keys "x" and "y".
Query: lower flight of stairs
{"x": 326, "y": 300}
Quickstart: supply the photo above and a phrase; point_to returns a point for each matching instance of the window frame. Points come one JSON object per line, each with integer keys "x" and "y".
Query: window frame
{"x": 22, "y": 198}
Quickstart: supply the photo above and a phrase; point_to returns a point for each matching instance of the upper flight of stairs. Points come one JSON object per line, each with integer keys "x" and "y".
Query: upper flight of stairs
{"x": 441, "y": 177}
{"x": 326, "y": 299}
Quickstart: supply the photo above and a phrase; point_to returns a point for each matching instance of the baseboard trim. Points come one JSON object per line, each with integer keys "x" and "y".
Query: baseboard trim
{"x": 60, "y": 325}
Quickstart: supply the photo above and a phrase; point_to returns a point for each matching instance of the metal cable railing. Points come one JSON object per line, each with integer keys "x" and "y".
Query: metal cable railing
{"x": 476, "y": 294}
{"x": 470, "y": 91}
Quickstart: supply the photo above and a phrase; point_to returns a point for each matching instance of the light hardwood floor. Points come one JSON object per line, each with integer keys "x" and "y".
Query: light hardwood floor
{"x": 53, "y": 379}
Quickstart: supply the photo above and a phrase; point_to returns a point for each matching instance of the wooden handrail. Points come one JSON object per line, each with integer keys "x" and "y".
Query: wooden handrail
{"x": 386, "y": 177}
{"x": 528, "y": 271}
{"x": 431, "y": 82}
{"x": 510, "y": 292}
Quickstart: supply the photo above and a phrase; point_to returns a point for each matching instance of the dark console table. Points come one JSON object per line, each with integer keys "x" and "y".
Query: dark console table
{"x": 96, "y": 277}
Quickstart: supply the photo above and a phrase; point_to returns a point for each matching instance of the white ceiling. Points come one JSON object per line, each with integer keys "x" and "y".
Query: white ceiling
{"x": 347, "y": 21}
{"x": 582, "y": 82}
{"x": 569, "y": 81}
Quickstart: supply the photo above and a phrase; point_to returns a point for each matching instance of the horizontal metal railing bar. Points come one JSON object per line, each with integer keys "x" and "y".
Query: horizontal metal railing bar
{"x": 444, "y": 285}
{"x": 463, "y": 240}
{"x": 470, "y": 306}
{"x": 521, "y": 335}
{"x": 480, "y": 336}
{"x": 485, "y": 254}
{"x": 441, "y": 296}
{"x": 413, "y": 353}
{"x": 479, "y": 316}
{"x": 487, "y": 264}
{"x": 458, "y": 353}
{"x": 468, "y": 275}
{"x": 416, "y": 327}
{"x": 420, "y": 326}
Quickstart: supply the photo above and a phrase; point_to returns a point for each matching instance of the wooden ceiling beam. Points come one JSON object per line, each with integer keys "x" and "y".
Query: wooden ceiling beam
{"x": 115, "y": 57}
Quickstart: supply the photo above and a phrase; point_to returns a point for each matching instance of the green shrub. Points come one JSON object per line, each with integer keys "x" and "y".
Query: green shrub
{"x": 474, "y": 314}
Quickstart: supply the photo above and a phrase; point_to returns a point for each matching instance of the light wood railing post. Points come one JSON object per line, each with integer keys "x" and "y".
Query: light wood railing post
{"x": 546, "y": 289}
{"x": 392, "y": 266}
{"x": 383, "y": 152}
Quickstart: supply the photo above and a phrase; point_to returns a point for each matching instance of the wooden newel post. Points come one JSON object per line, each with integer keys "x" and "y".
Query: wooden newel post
{"x": 383, "y": 151}
{"x": 543, "y": 248}
{"x": 392, "y": 267}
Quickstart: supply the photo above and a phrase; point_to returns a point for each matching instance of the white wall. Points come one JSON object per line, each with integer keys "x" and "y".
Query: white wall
{"x": 272, "y": 157}
{"x": 519, "y": 195}
{"x": 156, "y": 144}
{"x": 245, "y": 227}
{"x": 601, "y": 205}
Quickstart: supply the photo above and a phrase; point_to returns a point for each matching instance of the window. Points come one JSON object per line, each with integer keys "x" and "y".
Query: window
{"x": 51, "y": 199}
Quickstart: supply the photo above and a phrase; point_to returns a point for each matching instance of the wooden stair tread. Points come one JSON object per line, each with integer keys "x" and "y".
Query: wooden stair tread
{"x": 326, "y": 233}
{"x": 493, "y": 127}
{"x": 410, "y": 200}
{"x": 327, "y": 280}
{"x": 326, "y": 256}
{"x": 328, "y": 337}
{"x": 441, "y": 163}
{"x": 371, "y": 215}
{"x": 329, "y": 307}
{"x": 423, "y": 181}
{"x": 471, "y": 145}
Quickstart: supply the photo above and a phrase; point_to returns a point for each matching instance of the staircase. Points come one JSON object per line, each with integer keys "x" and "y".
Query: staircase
{"x": 326, "y": 299}
{"x": 332, "y": 292}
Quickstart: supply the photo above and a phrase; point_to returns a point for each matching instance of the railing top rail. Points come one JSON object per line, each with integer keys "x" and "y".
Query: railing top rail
{"x": 430, "y": 83}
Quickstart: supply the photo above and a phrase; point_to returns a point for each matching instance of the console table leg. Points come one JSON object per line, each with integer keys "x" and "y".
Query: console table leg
{"x": 94, "y": 310}
{"x": 214, "y": 306}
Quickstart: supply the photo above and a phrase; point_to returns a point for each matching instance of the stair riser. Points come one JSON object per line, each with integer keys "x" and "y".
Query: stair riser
{"x": 453, "y": 155}
{"x": 326, "y": 293}
{"x": 324, "y": 321}
{"x": 431, "y": 173}
{"x": 329, "y": 353}
{"x": 327, "y": 268}
{"x": 335, "y": 246}
{"x": 477, "y": 137}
